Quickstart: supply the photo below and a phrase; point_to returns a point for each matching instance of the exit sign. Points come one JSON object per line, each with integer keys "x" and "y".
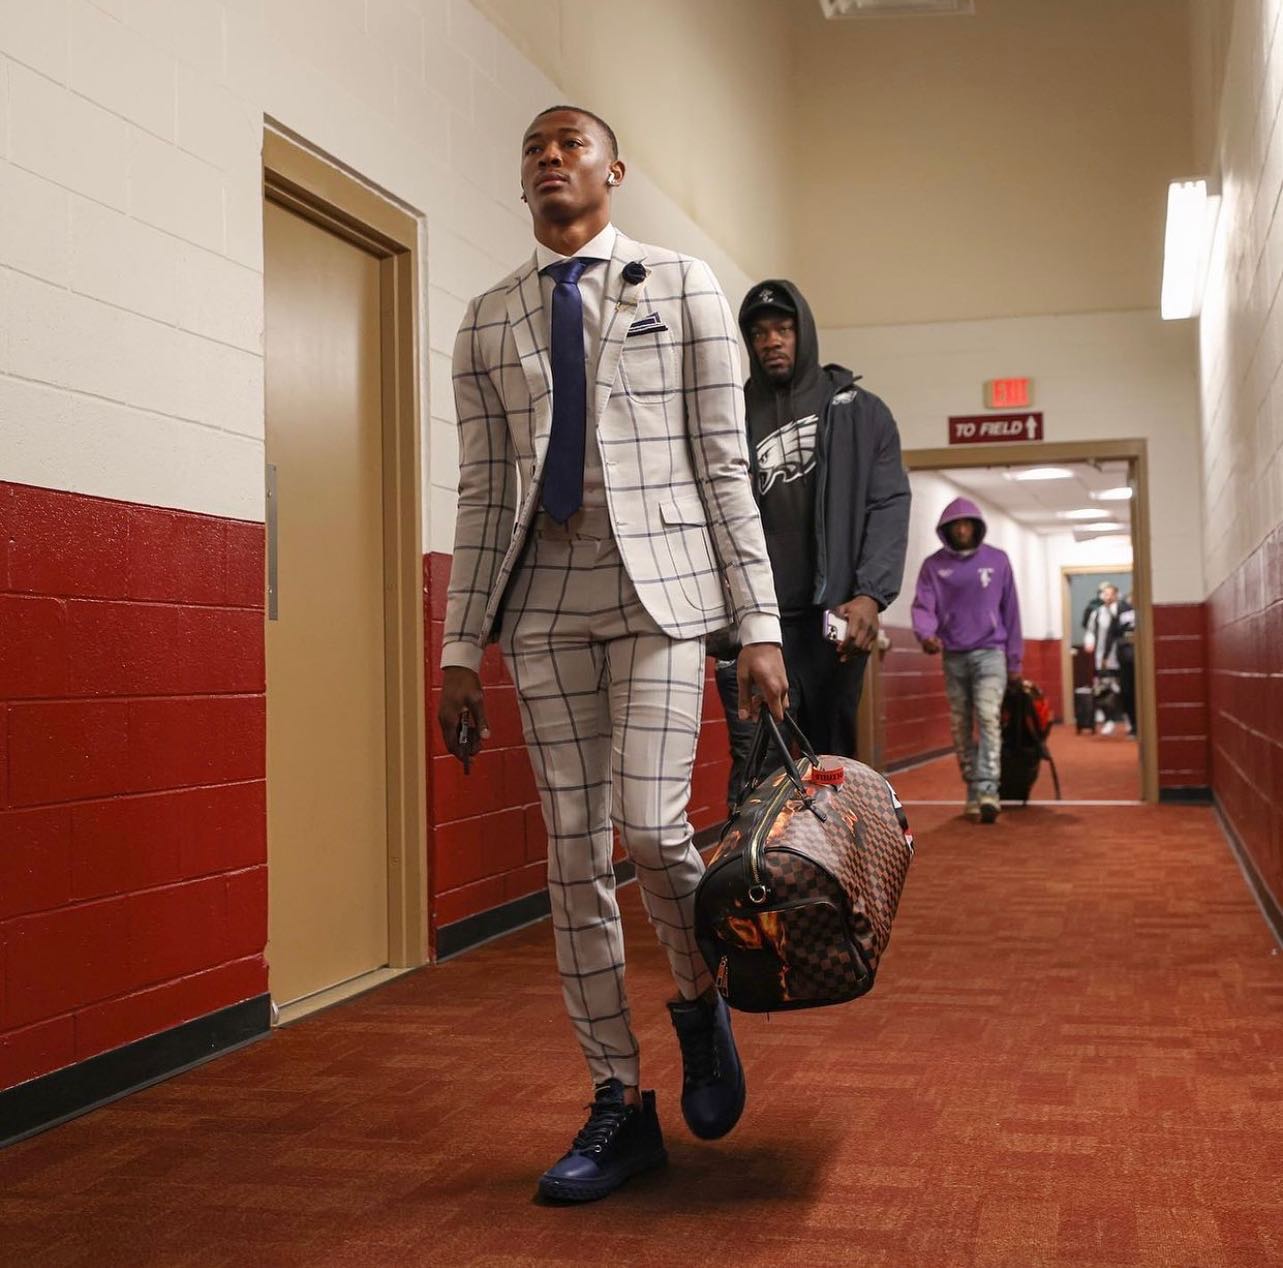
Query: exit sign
{"x": 1009, "y": 393}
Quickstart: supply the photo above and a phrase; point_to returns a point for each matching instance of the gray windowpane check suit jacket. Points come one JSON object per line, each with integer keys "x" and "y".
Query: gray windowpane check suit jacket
{"x": 668, "y": 406}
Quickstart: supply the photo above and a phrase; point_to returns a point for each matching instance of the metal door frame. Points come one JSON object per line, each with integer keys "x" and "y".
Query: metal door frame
{"x": 1134, "y": 452}
{"x": 296, "y": 178}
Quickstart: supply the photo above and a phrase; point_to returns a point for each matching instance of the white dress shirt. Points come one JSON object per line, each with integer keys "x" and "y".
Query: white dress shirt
{"x": 592, "y": 291}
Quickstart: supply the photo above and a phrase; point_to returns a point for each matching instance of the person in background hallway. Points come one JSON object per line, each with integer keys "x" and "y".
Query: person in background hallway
{"x": 1111, "y": 631}
{"x": 1127, "y": 660}
{"x": 1093, "y": 603}
{"x": 606, "y": 526}
{"x": 834, "y": 499}
{"x": 966, "y": 607}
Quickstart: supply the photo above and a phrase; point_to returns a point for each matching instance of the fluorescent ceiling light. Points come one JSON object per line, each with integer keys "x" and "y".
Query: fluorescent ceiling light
{"x": 1040, "y": 473}
{"x": 1191, "y": 220}
{"x": 1087, "y": 513}
{"x": 1101, "y": 528}
{"x": 1121, "y": 494}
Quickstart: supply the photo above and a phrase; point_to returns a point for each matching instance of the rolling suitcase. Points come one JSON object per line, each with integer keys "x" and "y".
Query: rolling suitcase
{"x": 1084, "y": 709}
{"x": 796, "y": 906}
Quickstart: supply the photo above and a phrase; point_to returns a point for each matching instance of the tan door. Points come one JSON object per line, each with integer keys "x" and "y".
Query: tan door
{"x": 326, "y": 703}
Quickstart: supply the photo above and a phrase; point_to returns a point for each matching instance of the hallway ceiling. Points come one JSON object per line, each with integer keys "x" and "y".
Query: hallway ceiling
{"x": 1043, "y": 504}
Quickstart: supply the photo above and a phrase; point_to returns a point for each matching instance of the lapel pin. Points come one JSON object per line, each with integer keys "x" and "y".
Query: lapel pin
{"x": 634, "y": 272}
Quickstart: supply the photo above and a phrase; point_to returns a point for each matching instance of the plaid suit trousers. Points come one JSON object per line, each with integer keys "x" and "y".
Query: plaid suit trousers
{"x": 610, "y": 706}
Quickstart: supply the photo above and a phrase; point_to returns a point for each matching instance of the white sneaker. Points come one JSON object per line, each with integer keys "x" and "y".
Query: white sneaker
{"x": 1107, "y": 729}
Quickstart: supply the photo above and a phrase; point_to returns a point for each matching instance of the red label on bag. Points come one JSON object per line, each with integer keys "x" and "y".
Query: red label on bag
{"x": 833, "y": 775}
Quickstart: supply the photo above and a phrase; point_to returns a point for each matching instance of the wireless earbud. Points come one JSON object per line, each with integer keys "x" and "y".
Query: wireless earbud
{"x": 611, "y": 179}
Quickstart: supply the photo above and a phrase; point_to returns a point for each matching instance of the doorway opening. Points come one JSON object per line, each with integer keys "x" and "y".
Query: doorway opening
{"x": 347, "y": 859}
{"x": 1087, "y": 514}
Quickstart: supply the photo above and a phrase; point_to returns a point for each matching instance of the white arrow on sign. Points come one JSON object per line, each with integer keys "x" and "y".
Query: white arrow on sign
{"x": 1031, "y": 427}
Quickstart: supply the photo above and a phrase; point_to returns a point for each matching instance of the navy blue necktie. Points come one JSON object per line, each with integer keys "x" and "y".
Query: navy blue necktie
{"x": 563, "y": 477}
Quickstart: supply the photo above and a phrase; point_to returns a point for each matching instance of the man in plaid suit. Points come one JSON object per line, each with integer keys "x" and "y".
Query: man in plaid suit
{"x": 606, "y": 523}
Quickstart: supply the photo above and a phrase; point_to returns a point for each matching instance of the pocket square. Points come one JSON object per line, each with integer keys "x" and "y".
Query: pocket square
{"x": 651, "y": 323}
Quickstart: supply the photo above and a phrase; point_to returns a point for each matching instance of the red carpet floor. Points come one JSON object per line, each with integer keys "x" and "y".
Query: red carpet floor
{"x": 1092, "y": 768}
{"x": 1073, "y": 1056}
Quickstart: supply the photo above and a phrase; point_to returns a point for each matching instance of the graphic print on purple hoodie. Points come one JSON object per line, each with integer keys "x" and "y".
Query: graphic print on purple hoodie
{"x": 967, "y": 599}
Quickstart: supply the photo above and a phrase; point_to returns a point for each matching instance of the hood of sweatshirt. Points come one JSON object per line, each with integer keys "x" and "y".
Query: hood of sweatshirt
{"x": 806, "y": 392}
{"x": 782, "y": 294}
{"x": 961, "y": 509}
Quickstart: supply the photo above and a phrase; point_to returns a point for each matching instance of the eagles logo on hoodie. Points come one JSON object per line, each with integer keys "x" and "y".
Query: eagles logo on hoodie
{"x": 787, "y": 454}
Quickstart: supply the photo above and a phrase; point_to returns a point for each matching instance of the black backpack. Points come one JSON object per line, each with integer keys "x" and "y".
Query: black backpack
{"x": 1026, "y": 724}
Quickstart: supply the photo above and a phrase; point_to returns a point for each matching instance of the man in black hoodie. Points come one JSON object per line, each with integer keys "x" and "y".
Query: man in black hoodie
{"x": 834, "y": 499}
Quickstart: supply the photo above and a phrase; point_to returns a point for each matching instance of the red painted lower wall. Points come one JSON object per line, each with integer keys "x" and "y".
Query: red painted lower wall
{"x": 917, "y": 713}
{"x": 1245, "y": 652}
{"x": 486, "y": 836}
{"x": 1042, "y": 666}
{"x": 915, "y": 709}
{"x": 133, "y": 880}
{"x": 1181, "y": 686}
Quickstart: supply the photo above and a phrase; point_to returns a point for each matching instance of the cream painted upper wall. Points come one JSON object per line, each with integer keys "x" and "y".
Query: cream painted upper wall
{"x": 1209, "y": 37}
{"x": 1241, "y": 326}
{"x": 131, "y": 221}
{"x": 699, "y": 93}
{"x": 1011, "y": 163}
{"x": 1096, "y": 376}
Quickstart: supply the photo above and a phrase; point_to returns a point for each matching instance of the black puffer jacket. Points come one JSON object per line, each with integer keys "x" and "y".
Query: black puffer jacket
{"x": 862, "y": 492}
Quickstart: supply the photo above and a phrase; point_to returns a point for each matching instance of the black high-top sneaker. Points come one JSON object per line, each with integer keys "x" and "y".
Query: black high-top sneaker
{"x": 617, "y": 1141}
{"x": 713, "y": 1088}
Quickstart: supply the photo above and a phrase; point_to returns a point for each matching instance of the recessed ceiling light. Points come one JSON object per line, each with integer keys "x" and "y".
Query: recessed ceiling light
{"x": 1040, "y": 473}
{"x": 1121, "y": 494}
{"x": 1102, "y": 528}
{"x": 1086, "y": 513}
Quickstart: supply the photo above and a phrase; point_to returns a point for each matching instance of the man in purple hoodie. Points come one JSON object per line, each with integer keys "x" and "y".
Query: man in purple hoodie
{"x": 966, "y": 606}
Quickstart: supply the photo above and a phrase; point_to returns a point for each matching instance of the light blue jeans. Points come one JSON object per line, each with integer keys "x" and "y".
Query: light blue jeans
{"x": 975, "y": 683}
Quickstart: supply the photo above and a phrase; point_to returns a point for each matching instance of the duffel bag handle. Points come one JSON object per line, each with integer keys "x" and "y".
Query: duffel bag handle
{"x": 768, "y": 733}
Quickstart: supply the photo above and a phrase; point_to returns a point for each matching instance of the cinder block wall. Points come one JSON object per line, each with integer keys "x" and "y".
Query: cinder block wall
{"x": 132, "y": 838}
{"x": 1241, "y": 352}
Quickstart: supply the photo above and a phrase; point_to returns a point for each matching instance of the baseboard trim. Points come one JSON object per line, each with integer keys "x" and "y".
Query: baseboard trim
{"x": 65, "y": 1094}
{"x": 463, "y": 935}
{"x": 1195, "y": 794}
{"x": 918, "y": 759}
{"x": 1269, "y": 905}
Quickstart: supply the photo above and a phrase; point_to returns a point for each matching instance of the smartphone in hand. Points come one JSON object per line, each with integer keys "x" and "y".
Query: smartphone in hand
{"x": 835, "y": 627}
{"x": 465, "y": 744}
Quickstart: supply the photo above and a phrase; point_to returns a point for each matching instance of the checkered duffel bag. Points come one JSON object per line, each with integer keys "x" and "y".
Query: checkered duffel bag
{"x": 795, "y": 909}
